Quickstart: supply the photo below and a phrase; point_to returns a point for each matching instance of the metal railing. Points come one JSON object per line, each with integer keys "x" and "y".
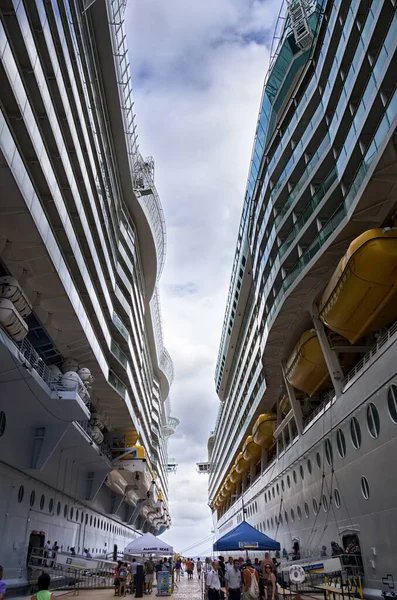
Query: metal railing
{"x": 55, "y": 383}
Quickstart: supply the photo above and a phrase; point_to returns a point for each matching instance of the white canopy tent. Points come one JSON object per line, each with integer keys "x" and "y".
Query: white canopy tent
{"x": 148, "y": 544}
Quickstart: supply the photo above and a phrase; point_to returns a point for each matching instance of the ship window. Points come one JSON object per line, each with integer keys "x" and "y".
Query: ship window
{"x": 264, "y": 526}
{"x": 392, "y": 402}
{"x": 82, "y": 516}
{"x": 328, "y": 452}
{"x": 315, "y": 506}
{"x": 90, "y": 520}
{"x": 286, "y": 517}
{"x": 42, "y": 501}
{"x": 373, "y": 420}
{"x": 309, "y": 466}
{"x": 32, "y": 497}
{"x": 51, "y": 505}
{"x": 337, "y": 497}
{"x": 256, "y": 510}
{"x": 325, "y": 503}
{"x": 341, "y": 443}
{"x": 278, "y": 489}
{"x": 71, "y": 513}
{"x": 365, "y": 487}
{"x": 355, "y": 433}
{"x": 306, "y": 510}
{"x": 77, "y": 515}
{"x": 273, "y": 492}
{"x": 318, "y": 460}
{"x": 94, "y": 521}
{"x": 21, "y": 493}
{"x": 268, "y": 524}
{"x": 288, "y": 481}
{"x": 299, "y": 512}
{"x": 292, "y": 515}
{"x": 280, "y": 519}
{"x": 58, "y": 508}
{"x": 282, "y": 485}
{"x": 294, "y": 476}
{"x": 3, "y": 422}
{"x": 302, "y": 472}
{"x": 65, "y": 511}
{"x": 265, "y": 498}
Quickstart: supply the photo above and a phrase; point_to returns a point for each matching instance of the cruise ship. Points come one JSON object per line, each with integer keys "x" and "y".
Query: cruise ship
{"x": 306, "y": 375}
{"x": 85, "y": 377}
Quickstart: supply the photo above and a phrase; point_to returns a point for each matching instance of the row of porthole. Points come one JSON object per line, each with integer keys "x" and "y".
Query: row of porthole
{"x": 325, "y": 503}
{"x": 373, "y": 423}
{"x": 73, "y": 513}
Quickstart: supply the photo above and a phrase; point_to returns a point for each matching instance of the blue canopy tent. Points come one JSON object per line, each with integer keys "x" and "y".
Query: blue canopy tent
{"x": 245, "y": 537}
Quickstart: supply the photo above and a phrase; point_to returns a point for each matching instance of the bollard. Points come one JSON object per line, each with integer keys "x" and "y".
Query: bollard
{"x": 139, "y": 581}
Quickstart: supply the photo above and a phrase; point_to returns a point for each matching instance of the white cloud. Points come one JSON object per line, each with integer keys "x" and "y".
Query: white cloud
{"x": 198, "y": 70}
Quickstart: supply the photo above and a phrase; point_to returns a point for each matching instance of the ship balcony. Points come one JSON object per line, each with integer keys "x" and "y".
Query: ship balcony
{"x": 68, "y": 400}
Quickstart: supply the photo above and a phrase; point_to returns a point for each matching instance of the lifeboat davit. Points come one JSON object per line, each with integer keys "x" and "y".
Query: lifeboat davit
{"x": 12, "y": 321}
{"x": 306, "y": 367}
{"x": 135, "y": 470}
{"x": 242, "y": 465}
{"x": 361, "y": 295}
{"x": 234, "y": 475}
{"x": 251, "y": 450}
{"x": 262, "y": 431}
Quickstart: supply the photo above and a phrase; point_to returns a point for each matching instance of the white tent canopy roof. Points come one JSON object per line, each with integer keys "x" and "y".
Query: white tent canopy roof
{"x": 148, "y": 544}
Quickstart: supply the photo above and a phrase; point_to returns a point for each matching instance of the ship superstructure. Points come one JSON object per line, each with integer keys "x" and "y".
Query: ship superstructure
{"x": 84, "y": 373}
{"x": 306, "y": 373}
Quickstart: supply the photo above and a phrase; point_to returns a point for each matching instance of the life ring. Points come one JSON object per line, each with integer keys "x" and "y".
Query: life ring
{"x": 297, "y": 574}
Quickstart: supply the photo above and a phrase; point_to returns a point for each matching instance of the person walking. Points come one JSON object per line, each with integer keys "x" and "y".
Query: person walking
{"x": 149, "y": 575}
{"x": 222, "y": 570}
{"x": 43, "y": 583}
{"x": 213, "y": 584}
{"x": 117, "y": 578}
{"x": 178, "y": 567}
{"x": 189, "y": 568}
{"x": 233, "y": 581}
{"x": 229, "y": 564}
{"x": 270, "y": 584}
{"x": 251, "y": 582}
{"x": 207, "y": 568}
{"x": 199, "y": 566}
{"x": 123, "y": 573}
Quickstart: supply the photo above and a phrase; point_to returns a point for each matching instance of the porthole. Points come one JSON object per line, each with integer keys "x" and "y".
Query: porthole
{"x": 306, "y": 510}
{"x": 51, "y": 505}
{"x": 82, "y": 517}
{"x": 294, "y": 476}
{"x": 58, "y": 508}
{"x": 365, "y": 487}
{"x": 3, "y": 422}
{"x": 328, "y": 452}
{"x": 278, "y": 489}
{"x": 299, "y": 512}
{"x": 71, "y": 513}
{"x": 292, "y": 515}
{"x": 325, "y": 503}
{"x": 341, "y": 443}
{"x": 286, "y": 517}
{"x": 282, "y": 485}
{"x": 355, "y": 433}
{"x": 309, "y": 466}
{"x": 273, "y": 493}
{"x": 337, "y": 498}
{"x": 288, "y": 481}
{"x": 42, "y": 501}
{"x": 392, "y": 402}
{"x": 315, "y": 506}
{"x": 318, "y": 460}
{"x": 65, "y": 511}
{"x": 302, "y": 472}
{"x": 21, "y": 493}
{"x": 373, "y": 420}
{"x": 32, "y": 498}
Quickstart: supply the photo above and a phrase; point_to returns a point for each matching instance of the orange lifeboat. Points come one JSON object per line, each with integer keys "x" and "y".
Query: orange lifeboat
{"x": 361, "y": 295}
{"x": 306, "y": 367}
{"x": 242, "y": 465}
{"x": 251, "y": 450}
{"x": 262, "y": 431}
{"x": 234, "y": 476}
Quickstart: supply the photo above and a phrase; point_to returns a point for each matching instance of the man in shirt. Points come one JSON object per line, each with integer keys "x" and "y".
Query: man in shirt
{"x": 213, "y": 584}
{"x": 248, "y": 573}
{"x": 233, "y": 581}
{"x": 133, "y": 568}
{"x": 229, "y": 564}
{"x": 149, "y": 575}
{"x": 199, "y": 566}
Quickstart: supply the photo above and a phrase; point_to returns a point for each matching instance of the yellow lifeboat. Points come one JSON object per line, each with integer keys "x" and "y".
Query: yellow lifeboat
{"x": 306, "y": 367}
{"x": 242, "y": 465}
{"x": 251, "y": 450}
{"x": 235, "y": 477}
{"x": 361, "y": 295}
{"x": 262, "y": 431}
{"x": 285, "y": 405}
{"x": 228, "y": 484}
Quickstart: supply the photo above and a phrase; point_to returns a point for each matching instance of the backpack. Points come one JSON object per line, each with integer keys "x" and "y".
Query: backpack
{"x": 122, "y": 574}
{"x": 253, "y": 591}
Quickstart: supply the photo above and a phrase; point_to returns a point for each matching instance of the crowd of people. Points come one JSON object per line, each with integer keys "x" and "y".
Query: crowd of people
{"x": 125, "y": 575}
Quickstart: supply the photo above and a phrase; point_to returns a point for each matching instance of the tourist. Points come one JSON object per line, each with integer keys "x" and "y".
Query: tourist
{"x": 257, "y": 566}
{"x": 266, "y": 561}
{"x": 270, "y": 584}
{"x": 87, "y": 553}
{"x": 159, "y": 567}
{"x": 123, "y": 574}
{"x": 189, "y": 568}
{"x": 117, "y": 578}
{"x": 133, "y": 568}
{"x": 3, "y": 586}
{"x": 43, "y": 583}
{"x": 149, "y": 575}
{"x": 233, "y": 581}
{"x": 199, "y": 567}
{"x": 285, "y": 554}
{"x": 213, "y": 584}
{"x": 222, "y": 570}
{"x": 229, "y": 564}
{"x": 251, "y": 582}
{"x": 73, "y": 551}
{"x": 178, "y": 567}
{"x": 207, "y": 568}
{"x": 241, "y": 564}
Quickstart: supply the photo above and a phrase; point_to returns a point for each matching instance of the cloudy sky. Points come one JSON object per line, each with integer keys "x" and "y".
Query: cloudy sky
{"x": 198, "y": 69}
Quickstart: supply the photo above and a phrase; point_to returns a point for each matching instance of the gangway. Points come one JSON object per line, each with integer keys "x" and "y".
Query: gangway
{"x": 68, "y": 572}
